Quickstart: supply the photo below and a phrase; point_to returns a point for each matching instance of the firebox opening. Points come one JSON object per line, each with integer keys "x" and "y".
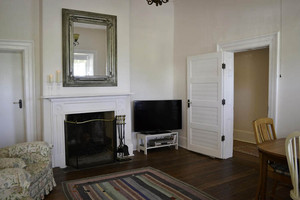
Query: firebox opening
{"x": 90, "y": 139}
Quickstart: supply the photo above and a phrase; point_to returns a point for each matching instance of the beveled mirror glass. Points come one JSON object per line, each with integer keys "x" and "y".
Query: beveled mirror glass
{"x": 89, "y": 49}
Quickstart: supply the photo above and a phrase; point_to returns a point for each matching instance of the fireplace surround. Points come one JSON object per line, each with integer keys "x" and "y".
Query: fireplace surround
{"x": 57, "y": 107}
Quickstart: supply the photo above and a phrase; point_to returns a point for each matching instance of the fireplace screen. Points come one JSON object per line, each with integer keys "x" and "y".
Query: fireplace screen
{"x": 90, "y": 139}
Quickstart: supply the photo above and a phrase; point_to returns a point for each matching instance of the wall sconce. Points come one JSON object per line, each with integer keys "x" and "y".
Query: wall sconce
{"x": 76, "y": 37}
{"x": 157, "y": 2}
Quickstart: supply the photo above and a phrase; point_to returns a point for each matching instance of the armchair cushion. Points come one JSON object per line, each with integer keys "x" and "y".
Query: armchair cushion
{"x": 12, "y": 163}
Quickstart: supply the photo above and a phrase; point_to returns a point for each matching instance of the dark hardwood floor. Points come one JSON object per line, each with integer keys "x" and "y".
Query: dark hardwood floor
{"x": 233, "y": 179}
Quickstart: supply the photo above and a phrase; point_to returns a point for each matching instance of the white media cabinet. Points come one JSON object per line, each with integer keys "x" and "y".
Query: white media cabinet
{"x": 152, "y": 141}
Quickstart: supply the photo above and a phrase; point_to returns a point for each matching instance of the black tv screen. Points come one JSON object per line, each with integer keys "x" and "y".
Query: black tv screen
{"x": 157, "y": 115}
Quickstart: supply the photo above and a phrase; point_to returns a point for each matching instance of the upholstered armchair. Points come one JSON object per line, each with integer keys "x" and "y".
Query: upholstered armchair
{"x": 26, "y": 171}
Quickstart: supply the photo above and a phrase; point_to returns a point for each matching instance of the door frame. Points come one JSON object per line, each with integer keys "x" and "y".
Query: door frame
{"x": 26, "y": 50}
{"x": 273, "y": 42}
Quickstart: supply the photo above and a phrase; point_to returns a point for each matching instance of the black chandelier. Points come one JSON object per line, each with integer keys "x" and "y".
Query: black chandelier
{"x": 157, "y": 2}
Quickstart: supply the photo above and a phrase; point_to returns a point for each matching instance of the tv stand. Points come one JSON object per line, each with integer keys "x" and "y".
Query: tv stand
{"x": 155, "y": 132}
{"x": 157, "y": 140}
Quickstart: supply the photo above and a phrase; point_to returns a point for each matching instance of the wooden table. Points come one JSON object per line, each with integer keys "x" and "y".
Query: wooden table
{"x": 273, "y": 150}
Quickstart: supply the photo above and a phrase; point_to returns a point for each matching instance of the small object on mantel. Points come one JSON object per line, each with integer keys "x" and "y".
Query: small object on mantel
{"x": 50, "y": 78}
{"x": 58, "y": 76}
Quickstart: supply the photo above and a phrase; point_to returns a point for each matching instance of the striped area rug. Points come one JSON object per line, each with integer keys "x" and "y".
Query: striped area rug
{"x": 143, "y": 183}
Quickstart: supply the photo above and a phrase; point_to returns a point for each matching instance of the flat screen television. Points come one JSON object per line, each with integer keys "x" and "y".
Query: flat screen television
{"x": 157, "y": 116}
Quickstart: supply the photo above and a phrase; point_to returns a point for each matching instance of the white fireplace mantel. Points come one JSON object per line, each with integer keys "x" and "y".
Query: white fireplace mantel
{"x": 57, "y": 107}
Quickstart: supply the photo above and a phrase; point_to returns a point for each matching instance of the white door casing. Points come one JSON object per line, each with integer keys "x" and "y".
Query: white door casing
{"x": 26, "y": 50}
{"x": 273, "y": 42}
{"x": 228, "y": 94}
{"x": 205, "y": 93}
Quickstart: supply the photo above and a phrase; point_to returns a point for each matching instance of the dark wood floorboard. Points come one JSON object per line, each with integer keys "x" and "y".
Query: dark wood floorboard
{"x": 233, "y": 179}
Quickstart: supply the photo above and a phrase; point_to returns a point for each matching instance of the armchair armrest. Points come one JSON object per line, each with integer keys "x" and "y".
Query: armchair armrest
{"x": 14, "y": 177}
{"x": 31, "y": 152}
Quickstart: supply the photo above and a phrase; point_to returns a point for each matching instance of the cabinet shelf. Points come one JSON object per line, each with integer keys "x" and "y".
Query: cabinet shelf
{"x": 144, "y": 139}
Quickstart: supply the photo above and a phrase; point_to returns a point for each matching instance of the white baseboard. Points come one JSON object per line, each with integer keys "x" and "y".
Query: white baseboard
{"x": 182, "y": 140}
{"x": 244, "y": 136}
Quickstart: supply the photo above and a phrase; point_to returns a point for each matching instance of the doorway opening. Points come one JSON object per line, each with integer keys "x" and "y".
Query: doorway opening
{"x": 251, "y": 86}
{"x": 271, "y": 41}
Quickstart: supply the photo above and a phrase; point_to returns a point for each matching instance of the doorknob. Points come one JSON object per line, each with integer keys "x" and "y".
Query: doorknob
{"x": 19, "y": 102}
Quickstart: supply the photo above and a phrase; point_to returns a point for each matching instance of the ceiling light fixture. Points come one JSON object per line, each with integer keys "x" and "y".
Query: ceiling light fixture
{"x": 157, "y": 2}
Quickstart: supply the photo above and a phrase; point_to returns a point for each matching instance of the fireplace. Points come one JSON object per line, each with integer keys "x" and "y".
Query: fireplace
{"x": 56, "y": 109}
{"x": 90, "y": 139}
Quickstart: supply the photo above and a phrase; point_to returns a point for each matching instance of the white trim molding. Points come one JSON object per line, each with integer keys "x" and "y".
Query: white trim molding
{"x": 273, "y": 42}
{"x": 26, "y": 49}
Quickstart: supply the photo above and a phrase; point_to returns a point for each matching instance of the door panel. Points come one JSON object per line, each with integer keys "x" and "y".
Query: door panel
{"x": 11, "y": 87}
{"x": 205, "y": 90}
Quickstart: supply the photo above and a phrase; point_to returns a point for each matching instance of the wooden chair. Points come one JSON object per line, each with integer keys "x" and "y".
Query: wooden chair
{"x": 264, "y": 131}
{"x": 292, "y": 150}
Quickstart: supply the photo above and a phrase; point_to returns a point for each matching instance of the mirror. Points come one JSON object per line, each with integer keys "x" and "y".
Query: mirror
{"x": 89, "y": 49}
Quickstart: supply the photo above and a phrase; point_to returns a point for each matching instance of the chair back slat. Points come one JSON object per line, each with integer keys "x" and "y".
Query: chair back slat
{"x": 265, "y": 133}
{"x": 269, "y": 132}
{"x": 292, "y": 150}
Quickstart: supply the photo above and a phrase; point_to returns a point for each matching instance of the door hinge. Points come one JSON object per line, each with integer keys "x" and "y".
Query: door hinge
{"x": 223, "y": 65}
{"x": 223, "y": 138}
{"x": 189, "y": 103}
{"x": 223, "y": 102}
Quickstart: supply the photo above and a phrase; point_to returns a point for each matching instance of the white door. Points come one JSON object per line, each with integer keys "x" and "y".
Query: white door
{"x": 11, "y": 86}
{"x": 206, "y": 129}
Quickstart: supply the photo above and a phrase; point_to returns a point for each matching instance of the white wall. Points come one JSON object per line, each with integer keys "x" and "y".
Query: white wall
{"x": 52, "y": 43}
{"x": 289, "y": 86}
{"x": 151, "y": 50}
{"x": 200, "y": 25}
{"x": 19, "y": 19}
